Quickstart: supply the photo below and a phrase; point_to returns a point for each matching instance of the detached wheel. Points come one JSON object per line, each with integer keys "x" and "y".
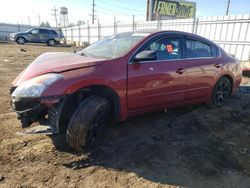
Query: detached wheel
{"x": 51, "y": 42}
{"x": 87, "y": 122}
{"x": 221, "y": 92}
{"x": 20, "y": 40}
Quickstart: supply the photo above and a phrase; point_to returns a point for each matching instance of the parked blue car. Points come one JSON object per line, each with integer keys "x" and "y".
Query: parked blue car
{"x": 37, "y": 35}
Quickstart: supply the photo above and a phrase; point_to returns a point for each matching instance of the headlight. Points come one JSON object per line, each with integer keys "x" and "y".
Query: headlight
{"x": 35, "y": 86}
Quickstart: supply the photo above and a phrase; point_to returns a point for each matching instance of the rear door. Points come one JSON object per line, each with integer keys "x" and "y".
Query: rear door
{"x": 203, "y": 64}
{"x": 158, "y": 82}
{"x": 43, "y": 35}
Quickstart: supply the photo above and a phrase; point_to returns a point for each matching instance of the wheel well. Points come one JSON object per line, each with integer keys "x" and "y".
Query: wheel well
{"x": 50, "y": 39}
{"x": 231, "y": 82}
{"x": 72, "y": 101}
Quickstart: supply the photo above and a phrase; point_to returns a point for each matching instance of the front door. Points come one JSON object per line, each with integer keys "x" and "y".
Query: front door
{"x": 34, "y": 35}
{"x": 161, "y": 81}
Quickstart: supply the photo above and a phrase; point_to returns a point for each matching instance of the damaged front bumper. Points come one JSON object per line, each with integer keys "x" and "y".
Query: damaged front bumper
{"x": 45, "y": 110}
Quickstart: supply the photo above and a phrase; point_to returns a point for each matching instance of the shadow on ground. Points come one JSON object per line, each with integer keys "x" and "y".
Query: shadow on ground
{"x": 176, "y": 146}
{"x": 171, "y": 147}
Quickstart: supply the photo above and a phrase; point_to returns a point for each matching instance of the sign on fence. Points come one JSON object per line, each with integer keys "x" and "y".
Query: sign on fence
{"x": 166, "y": 9}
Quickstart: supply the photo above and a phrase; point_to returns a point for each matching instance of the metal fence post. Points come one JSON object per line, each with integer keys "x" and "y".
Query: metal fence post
{"x": 18, "y": 26}
{"x": 99, "y": 30}
{"x": 66, "y": 34}
{"x": 114, "y": 26}
{"x": 72, "y": 39}
{"x": 196, "y": 25}
{"x": 133, "y": 22}
{"x": 88, "y": 33}
{"x": 79, "y": 34}
{"x": 194, "y": 22}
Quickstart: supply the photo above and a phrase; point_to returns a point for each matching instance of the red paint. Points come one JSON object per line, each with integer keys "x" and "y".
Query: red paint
{"x": 141, "y": 87}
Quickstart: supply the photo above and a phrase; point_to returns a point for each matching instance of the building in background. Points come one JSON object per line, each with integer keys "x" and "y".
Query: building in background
{"x": 170, "y": 9}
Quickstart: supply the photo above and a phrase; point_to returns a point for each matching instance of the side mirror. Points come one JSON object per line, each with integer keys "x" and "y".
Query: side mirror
{"x": 145, "y": 56}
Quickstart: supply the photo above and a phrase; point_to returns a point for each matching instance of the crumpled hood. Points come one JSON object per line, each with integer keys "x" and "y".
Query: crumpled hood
{"x": 56, "y": 62}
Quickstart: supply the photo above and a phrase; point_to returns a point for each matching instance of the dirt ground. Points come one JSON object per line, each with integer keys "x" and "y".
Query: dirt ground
{"x": 198, "y": 146}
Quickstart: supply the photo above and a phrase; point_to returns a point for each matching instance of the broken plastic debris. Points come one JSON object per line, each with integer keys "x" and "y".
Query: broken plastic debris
{"x": 40, "y": 129}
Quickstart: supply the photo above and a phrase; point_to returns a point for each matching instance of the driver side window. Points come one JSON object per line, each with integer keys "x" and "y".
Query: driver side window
{"x": 166, "y": 48}
{"x": 35, "y": 31}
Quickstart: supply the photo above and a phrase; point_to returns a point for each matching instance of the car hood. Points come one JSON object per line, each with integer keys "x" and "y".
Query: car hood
{"x": 56, "y": 62}
{"x": 19, "y": 33}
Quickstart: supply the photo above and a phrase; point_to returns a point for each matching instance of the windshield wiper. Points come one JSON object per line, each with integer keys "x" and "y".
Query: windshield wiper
{"x": 84, "y": 54}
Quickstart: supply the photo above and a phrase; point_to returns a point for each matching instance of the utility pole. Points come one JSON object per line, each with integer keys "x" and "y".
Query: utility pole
{"x": 228, "y": 6}
{"x": 54, "y": 10}
{"x": 93, "y": 12}
{"x": 39, "y": 17}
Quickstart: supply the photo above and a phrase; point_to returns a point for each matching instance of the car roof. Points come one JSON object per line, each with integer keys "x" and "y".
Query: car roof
{"x": 43, "y": 28}
{"x": 156, "y": 32}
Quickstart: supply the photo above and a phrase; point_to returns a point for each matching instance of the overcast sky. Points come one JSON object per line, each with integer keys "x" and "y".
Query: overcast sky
{"x": 18, "y": 11}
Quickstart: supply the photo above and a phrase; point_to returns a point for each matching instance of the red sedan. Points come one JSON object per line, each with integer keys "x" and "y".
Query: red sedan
{"x": 120, "y": 76}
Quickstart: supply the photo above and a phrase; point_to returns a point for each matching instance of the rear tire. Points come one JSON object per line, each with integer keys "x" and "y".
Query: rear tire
{"x": 221, "y": 92}
{"x": 51, "y": 42}
{"x": 87, "y": 122}
{"x": 20, "y": 40}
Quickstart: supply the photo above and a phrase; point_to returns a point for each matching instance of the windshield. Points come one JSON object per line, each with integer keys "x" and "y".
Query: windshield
{"x": 28, "y": 30}
{"x": 114, "y": 46}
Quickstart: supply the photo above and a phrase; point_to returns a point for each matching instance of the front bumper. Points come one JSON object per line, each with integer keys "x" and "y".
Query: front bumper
{"x": 29, "y": 110}
{"x": 12, "y": 37}
{"x": 43, "y": 110}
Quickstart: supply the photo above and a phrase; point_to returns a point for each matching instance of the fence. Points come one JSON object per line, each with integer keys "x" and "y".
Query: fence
{"x": 232, "y": 32}
{"x": 6, "y": 29}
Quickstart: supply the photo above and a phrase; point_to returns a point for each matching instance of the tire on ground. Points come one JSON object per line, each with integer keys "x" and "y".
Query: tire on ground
{"x": 51, "y": 42}
{"x": 92, "y": 111}
{"x": 215, "y": 92}
{"x": 20, "y": 40}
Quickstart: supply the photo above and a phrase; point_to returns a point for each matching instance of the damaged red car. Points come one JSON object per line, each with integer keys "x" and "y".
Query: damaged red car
{"x": 120, "y": 76}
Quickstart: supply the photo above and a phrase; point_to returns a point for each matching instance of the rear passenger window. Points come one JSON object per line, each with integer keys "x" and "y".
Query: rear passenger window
{"x": 43, "y": 31}
{"x": 53, "y": 32}
{"x": 196, "y": 49}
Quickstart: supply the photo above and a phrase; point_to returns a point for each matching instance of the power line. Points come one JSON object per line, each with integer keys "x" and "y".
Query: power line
{"x": 120, "y": 7}
{"x": 117, "y": 12}
{"x": 102, "y": 11}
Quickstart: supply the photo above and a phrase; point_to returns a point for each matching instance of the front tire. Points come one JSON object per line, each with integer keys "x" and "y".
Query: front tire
{"x": 87, "y": 122}
{"x": 222, "y": 90}
{"x": 20, "y": 40}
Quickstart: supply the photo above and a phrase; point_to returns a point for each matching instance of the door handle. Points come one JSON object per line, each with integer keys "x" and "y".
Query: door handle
{"x": 180, "y": 71}
{"x": 218, "y": 65}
